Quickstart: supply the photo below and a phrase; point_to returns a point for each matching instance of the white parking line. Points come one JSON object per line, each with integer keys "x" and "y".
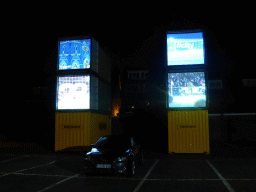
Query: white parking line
{"x": 58, "y": 183}
{"x": 197, "y": 179}
{"x": 43, "y": 155}
{"x": 36, "y": 166}
{"x": 125, "y": 178}
{"x": 142, "y": 181}
{"x": 221, "y": 177}
{"x": 7, "y": 154}
{"x": 13, "y": 159}
{"x": 33, "y": 174}
{"x": 27, "y": 169}
{"x": 32, "y": 155}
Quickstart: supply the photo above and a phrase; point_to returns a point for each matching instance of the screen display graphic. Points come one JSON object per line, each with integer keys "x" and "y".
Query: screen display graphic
{"x": 186, "y": 90}
{"x": 74, "y": 54}
{"x": 185, "y": 48}
{"x": 73, "y": 92}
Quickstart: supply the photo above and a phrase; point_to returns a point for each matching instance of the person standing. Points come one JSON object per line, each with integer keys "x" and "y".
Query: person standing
{"x": 190, "y": 87}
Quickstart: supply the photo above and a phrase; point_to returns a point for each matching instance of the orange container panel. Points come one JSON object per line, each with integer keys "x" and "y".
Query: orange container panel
{"x": 188, "y": 132}
{"x": 100, "y": 125}
{"x": 80, "y": 129}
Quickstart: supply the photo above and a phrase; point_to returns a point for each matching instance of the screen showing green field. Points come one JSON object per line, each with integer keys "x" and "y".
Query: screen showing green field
{"x": 186, "y": 90}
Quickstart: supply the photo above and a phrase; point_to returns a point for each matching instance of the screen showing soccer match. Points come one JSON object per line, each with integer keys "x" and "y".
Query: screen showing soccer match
{"x": 74, "y": 54}
{"x": 73, "y": 92}
{"x": 185, "y": 48}
{"x": 186, "y": 90}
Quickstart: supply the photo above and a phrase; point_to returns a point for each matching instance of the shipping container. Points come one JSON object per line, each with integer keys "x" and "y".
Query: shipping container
{"x": 83, "y": 76}
{"x": 80, "y": 128}
{"x": 83, "y": 54}
{"x": 188, "y": 132}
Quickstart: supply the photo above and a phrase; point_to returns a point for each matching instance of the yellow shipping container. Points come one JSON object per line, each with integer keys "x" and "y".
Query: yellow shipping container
{"x": 80, "y": 129}
{"x": 188, "y": 132}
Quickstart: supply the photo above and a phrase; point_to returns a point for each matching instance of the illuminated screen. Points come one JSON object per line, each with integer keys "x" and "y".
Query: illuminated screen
{"x": 186, "y": 90}
{"x": 73, "y": 92}
{"x": 74, "y": 54}
{"x": 185, "y": 48}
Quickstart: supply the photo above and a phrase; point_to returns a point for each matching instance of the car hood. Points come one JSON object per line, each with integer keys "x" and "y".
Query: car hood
{"x": 103, "y": 152}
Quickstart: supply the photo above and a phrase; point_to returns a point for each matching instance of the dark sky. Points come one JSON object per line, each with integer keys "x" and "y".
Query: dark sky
{"x": 131, "y": 32}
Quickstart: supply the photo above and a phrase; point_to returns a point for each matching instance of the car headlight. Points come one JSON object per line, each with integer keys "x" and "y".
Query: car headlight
{"x": 124, "y": 158}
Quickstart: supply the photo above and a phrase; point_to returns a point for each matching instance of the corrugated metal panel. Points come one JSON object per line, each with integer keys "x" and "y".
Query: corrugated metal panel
{"x": 100, "y": 126}
{"x": 71, "y": 130}
{"x": 80, "y": 129}
{"x": 188, "y": 131}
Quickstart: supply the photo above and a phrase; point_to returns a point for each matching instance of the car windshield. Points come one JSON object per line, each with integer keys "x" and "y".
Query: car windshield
{"x": 113, "y": 142}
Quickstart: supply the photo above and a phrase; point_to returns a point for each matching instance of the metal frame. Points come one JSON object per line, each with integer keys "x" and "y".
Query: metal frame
{"x": 187, "y": 65}
{"x": 73, "y": 38}
{"x": 188, "y": 68}
{"x": 80, "y": 72}
{"x": 56, "y": 98}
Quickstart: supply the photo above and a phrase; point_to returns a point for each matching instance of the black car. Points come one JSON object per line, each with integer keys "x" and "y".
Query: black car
{"x": 116, "y": 153}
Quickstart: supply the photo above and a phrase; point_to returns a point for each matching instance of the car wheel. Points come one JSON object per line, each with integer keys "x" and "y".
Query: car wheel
{"x": 133, "y": 168}
{"x": 142, "y": 159}
{"x": 131, "y": 172}
{"x": 88, "y": 171}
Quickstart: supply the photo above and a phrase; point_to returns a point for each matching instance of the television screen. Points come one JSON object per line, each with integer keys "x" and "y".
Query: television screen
{"x": 74, "y": 54}
{"x": 73, "y": 92}
{"x": 186, "y": 90}
{"x": 185, "y": 48}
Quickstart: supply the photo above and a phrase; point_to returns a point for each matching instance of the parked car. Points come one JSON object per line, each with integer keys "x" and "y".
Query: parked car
{"x": 117, "y": 153}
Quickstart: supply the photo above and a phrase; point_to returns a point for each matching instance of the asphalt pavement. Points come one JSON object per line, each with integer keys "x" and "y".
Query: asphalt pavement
{"x": 31, "y": 167}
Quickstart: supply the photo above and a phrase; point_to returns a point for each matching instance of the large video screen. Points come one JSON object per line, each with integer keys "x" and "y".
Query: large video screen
{"x": 185, "y": 48}
{"x": 74, "y": 54}
{"x": 186, "y": 90}
{"x": 73, "y": 92}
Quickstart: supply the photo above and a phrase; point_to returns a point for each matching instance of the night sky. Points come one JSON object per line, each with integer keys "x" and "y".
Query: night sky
{"x": 132, "y": 34}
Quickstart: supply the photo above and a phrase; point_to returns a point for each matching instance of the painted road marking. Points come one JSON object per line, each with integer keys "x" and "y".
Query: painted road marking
{"x": 26, "y": 169}
{"x": 13, "y": 159}
{"x": 58, "y": 183}
{"x": 142, "y": 181}
{"x": 7, "y": 154}
{"x": 198, "y": 179}
{"x": 32, "y": 155}
{"x": 33, "y": 174}
{"x": 125, "y": 178}
{"x": 221, "y": 177}
{"x": 43, "y": 155}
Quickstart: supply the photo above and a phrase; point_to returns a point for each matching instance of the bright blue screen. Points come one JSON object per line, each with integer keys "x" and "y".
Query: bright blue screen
{"x": 74, "y": 54}
{"x": 186, "y": 90}
{"x": 185, "y": 48}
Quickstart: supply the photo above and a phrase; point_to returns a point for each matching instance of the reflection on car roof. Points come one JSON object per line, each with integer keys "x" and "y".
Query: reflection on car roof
{"x": 118, "y": 136}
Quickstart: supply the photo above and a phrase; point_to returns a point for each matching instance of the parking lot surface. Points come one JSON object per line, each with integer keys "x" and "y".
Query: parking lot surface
{"x": 49, "y": 171}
